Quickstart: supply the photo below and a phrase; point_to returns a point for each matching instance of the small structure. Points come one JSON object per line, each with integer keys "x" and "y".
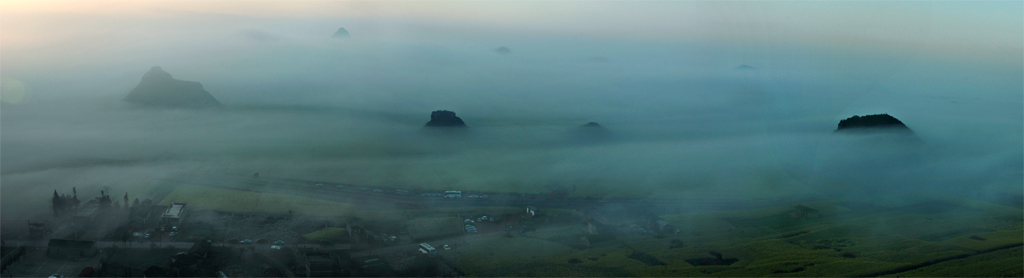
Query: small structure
{"x": 174, "y": 214}
{"x": 658, "y": 225}
{"x": 597, "y": 228}
{"x": 71, "y": 249}
{"x": 371, "y": 266}
{"x": 664, "y": 227}
{"x": 38, "y": 230}
{"x": 87, "y": 213}
{"x": 428, "y": 250}
{"x": 532, "y": 211}
{"x": 185, "y": 263}
{"x": 323, "y": 264}
{"x": 453, "y": 194}
{"x": 804, "y": 212}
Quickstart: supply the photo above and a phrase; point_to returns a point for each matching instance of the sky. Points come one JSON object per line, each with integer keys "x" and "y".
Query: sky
{"x": 663, "y": 76}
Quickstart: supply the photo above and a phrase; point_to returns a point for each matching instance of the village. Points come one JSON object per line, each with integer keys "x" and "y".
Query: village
{"x": 105, "y": 237}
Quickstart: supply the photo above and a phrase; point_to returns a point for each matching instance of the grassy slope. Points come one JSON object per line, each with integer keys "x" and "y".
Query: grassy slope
{"x": 425, "y": 228}
{"x": 332, "y": 234}
{"x": 1001, "y": 263}
{"x": 768, "y": 243}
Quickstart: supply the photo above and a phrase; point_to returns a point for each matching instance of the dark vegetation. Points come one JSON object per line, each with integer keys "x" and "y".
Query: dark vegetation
{"x": 645, "y": 258}
{"x": 716, "y": 259}
{"x": 675, "y": 243}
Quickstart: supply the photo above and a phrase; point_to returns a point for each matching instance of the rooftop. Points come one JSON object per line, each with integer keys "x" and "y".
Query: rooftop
{"x": 174, "y": 210}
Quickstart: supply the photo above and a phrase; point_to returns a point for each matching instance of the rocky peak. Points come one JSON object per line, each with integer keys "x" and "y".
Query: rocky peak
{"x": 156, "y": 74}
{"x": 873, "y": 122}
{"x": 443, "y": 118}
{"x": 341, "y": 33}
{"x": 159, "y": 89}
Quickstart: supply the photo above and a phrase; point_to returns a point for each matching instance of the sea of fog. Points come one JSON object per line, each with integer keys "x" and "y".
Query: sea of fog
{"x": 971, "y": 148}
{"x": 688, "y": 121}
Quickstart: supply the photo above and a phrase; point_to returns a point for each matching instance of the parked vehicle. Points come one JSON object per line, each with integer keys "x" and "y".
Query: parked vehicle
{"x": 473, "y": 196}
{"x": 378, "y": 190}
{"x": 279, "y": 242}
{"x": 245, "y": 241}
{"x": 173, "y": 234}
{"x": 446, "y": 247}
{"x": 483, "y": 196}
{"x": 149, "y": 235}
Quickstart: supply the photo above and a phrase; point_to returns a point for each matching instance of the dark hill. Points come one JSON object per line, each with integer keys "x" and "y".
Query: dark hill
{"x": 341, "y": 33}
{"x": 879, "y": 122}
{"x": 159, "y": 89}
{"x": 503, "y": 50}
{"x": 444, "y": 118}
{"x": 591, "y": 132}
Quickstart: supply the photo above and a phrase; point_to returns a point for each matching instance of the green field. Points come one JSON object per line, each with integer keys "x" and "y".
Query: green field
{"x": 965, "y": 239}
{"x": 206, "y": 198}
{"x": 427, "y": 228}
{"x": 336, "y": 235}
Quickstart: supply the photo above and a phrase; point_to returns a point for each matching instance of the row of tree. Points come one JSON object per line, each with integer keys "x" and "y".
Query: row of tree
{"x": 64, "y": 204}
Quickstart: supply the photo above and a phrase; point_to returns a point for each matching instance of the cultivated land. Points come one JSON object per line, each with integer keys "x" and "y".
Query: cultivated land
{"x": 842, "y": 238}
{"x": 944, "y": 238}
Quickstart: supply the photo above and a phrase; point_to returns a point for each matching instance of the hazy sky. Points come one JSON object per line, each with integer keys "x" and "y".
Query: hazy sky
{"x": 661, "y": 74}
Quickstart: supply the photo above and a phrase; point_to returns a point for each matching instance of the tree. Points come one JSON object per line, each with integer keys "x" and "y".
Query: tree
{"x": 58, "y": 204}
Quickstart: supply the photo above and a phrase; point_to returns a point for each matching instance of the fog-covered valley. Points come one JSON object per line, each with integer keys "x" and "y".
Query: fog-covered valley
{"x": 612, "y": 138}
